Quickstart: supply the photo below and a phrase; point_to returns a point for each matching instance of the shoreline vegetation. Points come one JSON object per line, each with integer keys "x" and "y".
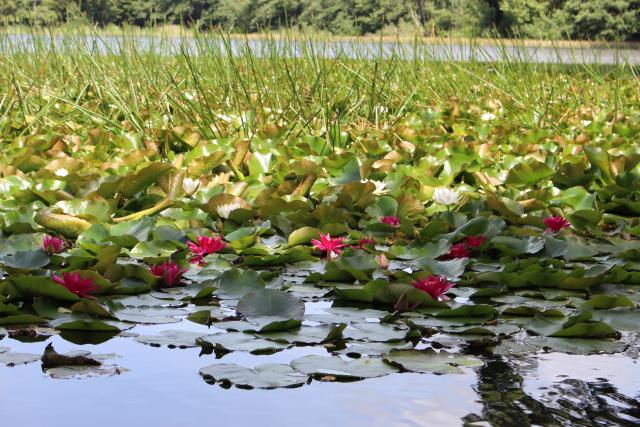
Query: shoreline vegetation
{"x": 526, "y": 19}
{"x": 178, "y": 31}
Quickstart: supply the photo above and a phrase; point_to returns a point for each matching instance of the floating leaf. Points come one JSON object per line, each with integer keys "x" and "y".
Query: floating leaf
{"x": 267, "y": 376}
{"x": 236, "y": 283}
{"x": 26, "y": 260}
{"x": 42, "y": 286}
{"x": 171, "y": 339}
{"x": 10, "y": 358}
{"x": 341, "y": 369}
{"x": 430, "y": 361}
{"x": 271, "y": 302}
{"x": 239, "y": 341}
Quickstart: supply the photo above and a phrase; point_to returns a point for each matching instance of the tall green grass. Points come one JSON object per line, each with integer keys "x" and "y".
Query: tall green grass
{"x": 314, "y": 85}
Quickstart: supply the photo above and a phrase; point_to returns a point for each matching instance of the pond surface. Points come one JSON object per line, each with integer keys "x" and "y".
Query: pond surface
{"x": 161, "y": 386}
{"x": 436, "y": 51}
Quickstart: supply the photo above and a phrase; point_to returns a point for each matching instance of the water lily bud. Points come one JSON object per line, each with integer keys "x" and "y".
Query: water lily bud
{"x": 382, "y": 261}
{"x": 190, "y": 186}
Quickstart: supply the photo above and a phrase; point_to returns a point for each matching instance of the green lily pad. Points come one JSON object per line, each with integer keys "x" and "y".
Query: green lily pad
{"x": 356, "y": 349}
{"x": 450, "y": 269}
{"x": 528, "y": 173}
{"x": 514, "y": 246}
{"x": 620, "y": 319}
{"x": 236, "y": 283}
{"x": 271, "y": 302}
{"x": 239, "y": 341}
{"x": 149, "y": 315}
{"x": 431, "y": 361}
{"x": 153, "y": 249}
{"x": 84, "y": 325}
{"x": 171, "y": 339}
{"x": 26, "y": 260}
{"x": 307, "y": 334}
{"x": 579, "y": 346}
{"x": 42, "y": 286}
{"x": 604, "y": 301}
{"x": 376, "y": 332}
{"x": 266, "y": 376}
{"x": 21, "y": 319}
{"x": 303, "y": 236}
{"x": 346, "y": 370}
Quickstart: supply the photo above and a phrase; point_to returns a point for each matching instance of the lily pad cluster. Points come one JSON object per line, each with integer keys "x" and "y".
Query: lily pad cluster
{"x": 420, "y": 247}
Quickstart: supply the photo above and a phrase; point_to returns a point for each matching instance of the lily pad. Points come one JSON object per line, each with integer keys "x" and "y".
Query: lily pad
{"x": 431, "y": 361}
{"x": 267, "y": 376}
{"x": 564, "y": 345}
{"x": 346, "y": 370}
{"x": 171, "y": 339}
{"x": 26, "y": 260}
{"x": 149, "y": 315}
{"x": 307, "y": 334}
{"x": 376, "y": 332}
{"x": 356, "y": 349}
{"x": 10, "y": 358}
{"x": 271, "y": 302}
{"x": 236, "y": 283}
{"x": 238, "y": 341}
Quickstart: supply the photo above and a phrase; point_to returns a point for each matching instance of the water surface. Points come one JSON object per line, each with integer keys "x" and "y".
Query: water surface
{"x": 160, "y": 386}
{"x": 425, "y": 51}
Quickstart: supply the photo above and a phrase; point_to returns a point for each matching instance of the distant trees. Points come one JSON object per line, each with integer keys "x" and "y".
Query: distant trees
{"x": 606, "y": 19}
{"x": 580, "y": 19}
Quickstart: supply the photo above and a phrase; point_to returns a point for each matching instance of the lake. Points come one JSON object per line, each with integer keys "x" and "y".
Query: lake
{"x": 161, "y": 386}
{"x": 435, "y": 51}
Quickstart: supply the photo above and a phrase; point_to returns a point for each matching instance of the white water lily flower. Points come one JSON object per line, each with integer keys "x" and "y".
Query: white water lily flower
{"x": 446, "y": 196}
{"x": 190, "y": 185}
{"x": 487, "y": 117}
{"x": 62, "y": 172}
{"x": 225, "y": 210}
{"x": 381, "y": 187}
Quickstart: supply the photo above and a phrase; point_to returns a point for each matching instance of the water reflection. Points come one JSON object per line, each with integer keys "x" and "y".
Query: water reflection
{"x": 506, "y": 401}
{"x": 161, "y": 386}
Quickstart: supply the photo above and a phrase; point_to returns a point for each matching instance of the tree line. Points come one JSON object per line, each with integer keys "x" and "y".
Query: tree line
{"x": 552, "y": 19}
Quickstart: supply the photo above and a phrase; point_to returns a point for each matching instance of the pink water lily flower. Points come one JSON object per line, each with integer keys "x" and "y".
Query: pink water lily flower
{"x": 393, "y": 221}
{"x": 52, "y": 245}
{"x": 436, "y": 286}
{"x": 169, "y": 272}
{"x": 76, "y": 284}
{"x": 205, "y": 246}
{"x": 556, "y": 223}
{"x": 331, "y": 245}
{"x": 458, "y": 250}
{"x": 475, "y": 241}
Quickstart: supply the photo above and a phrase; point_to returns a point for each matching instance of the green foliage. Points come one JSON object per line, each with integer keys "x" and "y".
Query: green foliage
{"x": 603, "y": 19}
{"x": 551, "y": 19}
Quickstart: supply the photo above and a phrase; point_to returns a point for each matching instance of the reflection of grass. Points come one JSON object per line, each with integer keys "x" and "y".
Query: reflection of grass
{"x": 274, "y": 88}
